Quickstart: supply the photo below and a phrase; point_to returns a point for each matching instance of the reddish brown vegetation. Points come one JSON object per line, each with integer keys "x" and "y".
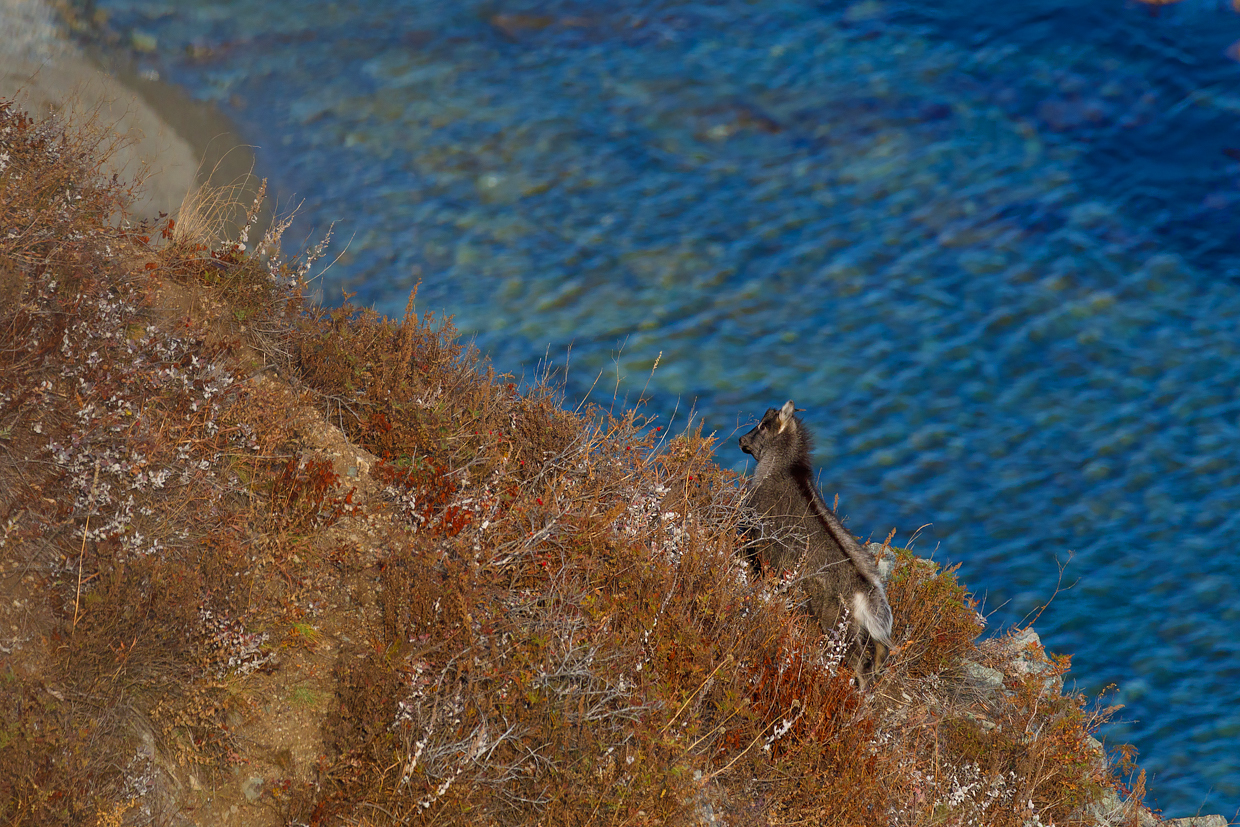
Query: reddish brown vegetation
{"x": 554, "y": 626}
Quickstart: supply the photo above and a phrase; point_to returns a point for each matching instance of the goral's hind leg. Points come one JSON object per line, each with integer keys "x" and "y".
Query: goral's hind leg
{"x": 881, "y": 651}
{"x": 857, "y": 660}
{"x": 867, "y": 660}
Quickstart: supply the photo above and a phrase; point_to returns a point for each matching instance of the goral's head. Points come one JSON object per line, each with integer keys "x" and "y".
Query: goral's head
{"x": 778, "y": 425}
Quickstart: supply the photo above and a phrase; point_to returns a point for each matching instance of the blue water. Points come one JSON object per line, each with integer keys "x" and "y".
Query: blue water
{"x": 992, "y": 248}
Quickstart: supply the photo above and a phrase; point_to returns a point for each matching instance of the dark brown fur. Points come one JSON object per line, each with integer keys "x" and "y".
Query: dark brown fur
{"x": 798, "y": 531}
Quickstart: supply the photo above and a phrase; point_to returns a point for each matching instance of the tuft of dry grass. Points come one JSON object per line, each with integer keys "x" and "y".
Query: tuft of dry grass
{"x": 215, "y": 216}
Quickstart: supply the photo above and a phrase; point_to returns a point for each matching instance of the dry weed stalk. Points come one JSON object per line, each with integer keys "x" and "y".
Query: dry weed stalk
{"x": 77, "y": 597}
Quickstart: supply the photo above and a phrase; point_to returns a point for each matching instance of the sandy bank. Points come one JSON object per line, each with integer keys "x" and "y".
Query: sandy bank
{"x": 168, "y": 133}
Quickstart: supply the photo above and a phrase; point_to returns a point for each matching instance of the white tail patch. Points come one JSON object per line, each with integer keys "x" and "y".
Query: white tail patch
{"x": 876, "y": 620}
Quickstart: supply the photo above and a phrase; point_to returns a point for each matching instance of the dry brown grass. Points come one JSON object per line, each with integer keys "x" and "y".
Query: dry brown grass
{"x": 122, "y": 427}
{"x": 544, "y": 617}
{"x": 1016, "y": 756}
{"x": 213, "y": 216}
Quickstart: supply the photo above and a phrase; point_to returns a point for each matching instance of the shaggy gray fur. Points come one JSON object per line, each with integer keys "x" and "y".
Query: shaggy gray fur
{"x": 799, "y": 533}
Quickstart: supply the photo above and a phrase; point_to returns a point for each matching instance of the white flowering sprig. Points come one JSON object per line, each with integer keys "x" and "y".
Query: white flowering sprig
{"x": 314, "y": 254}
{"x": 785, "y": 724}
{"x": 251, "y": 215}
{"x": 837, "y": 643}
{"x": 269, "y": 247}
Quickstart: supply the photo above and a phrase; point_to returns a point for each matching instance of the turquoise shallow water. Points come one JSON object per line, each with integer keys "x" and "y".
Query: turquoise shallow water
{"x": 994, "y": 252}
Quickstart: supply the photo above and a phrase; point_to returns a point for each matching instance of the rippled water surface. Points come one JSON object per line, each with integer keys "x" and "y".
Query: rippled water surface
{"x": 993, "y": 249}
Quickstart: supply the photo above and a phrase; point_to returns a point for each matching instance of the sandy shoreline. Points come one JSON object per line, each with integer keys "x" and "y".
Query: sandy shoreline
{"x": 178, "y": 140}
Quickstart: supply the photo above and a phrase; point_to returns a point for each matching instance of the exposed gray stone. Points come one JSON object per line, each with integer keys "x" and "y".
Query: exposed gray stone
{"x": 1111, "y": 811}
{"x": 1024, "y": 639}
{"x": 252, "y": 787}
{"x": 1107, "y": 810}
{"x": 1097, "y": 746}
{"x": 985, "y": 723}
{"x": 1028, "y": 658}
{"x": 1050, "y": 681}
{"x": 1197, "y": 821}
{"x": 983, "y": 677}
{"x": 884, "y": 557}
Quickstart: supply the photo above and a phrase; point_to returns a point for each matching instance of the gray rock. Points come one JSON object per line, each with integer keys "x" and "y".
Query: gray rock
{"x": 1051, "y": 681}
{"x": 1108, "y": 809}
{"x": 1197, "y": 821}
{"x": 983, "y": 677}
{"x": 1024, "y": 639}
{"x": 252, "y": 787}
{"x": 985, "y": 723}
{"x": 884, "y": 557}
{"x": 1097, "y": 746}
{"x": 1111, "y": 811}
{"x": 1029, "y": 659}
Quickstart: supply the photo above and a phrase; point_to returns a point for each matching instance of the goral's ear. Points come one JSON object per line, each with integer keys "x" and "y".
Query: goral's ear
{"x": 785, "y": 415}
